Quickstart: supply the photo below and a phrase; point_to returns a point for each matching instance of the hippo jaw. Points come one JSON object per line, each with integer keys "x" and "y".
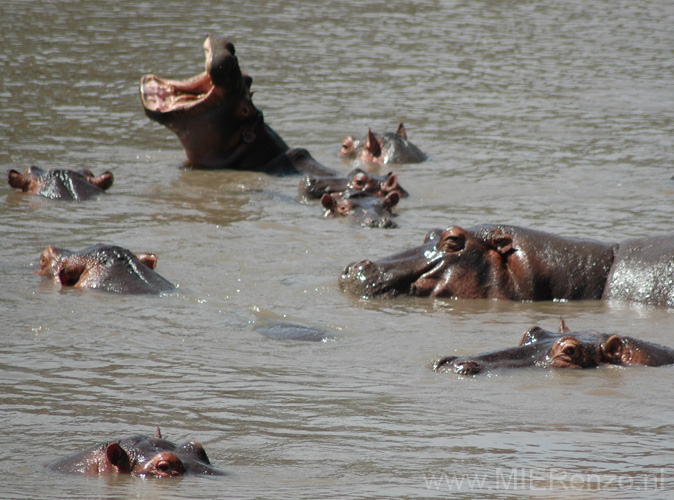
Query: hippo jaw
{"x": 162, "y": 98}
{"x": 402, "y": 274}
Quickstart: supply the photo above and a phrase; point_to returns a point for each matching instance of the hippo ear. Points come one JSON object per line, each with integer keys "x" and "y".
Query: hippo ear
{"x": 71, "y": 273}
{"x": 401, "y": 131}
{"x": 502, "y": 243}
{"x": 391, "y": 199}
{"x": 103, "y": 181}
{"x": 118, "y": 457}
{"x": 328, "y": 201}
{"x": 372, "y": 144}
{"x": 391, "y": 182}
{"x": 562, "y": 326}
{"x": 18, "y": 180}
{"x": 149, "y": 259}
{"x": 612, "y": 350}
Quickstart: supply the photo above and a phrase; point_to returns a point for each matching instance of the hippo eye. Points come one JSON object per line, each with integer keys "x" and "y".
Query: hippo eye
{"x": 358, "y": 181}
{"x": 163, "y": 467}
{"x": 569, "y": 351}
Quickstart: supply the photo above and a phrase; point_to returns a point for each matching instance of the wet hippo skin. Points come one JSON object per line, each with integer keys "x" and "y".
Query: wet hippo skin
{"x": 139, "y": 455}
{"x": 566, "y": 349}
{"x": 504, "y": 262}
{"x": 59, "y": 184}
{"x": 389, "y": 147}
{"x": 103, "y": 267}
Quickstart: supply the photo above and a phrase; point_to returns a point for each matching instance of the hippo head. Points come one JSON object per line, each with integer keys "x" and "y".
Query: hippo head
{"x": 566, "y": 349}
{"x": 357, "y": 180}
{"x": 389, "y": 147}
{"x": 367, "y": 210}
{"x": 212, "y": 113}
{"x": 104, "y": 267}
{"x": 139, "y": 455}
{"x": 450, "y": 263}
{"x": 60, "y": 184}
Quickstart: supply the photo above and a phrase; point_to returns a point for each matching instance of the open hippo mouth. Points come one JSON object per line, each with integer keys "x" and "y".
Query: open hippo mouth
{"x": 222, "y": 81}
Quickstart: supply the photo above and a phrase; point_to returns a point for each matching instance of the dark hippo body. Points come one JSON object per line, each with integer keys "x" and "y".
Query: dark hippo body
{"x": 61, "y": 184}
{"x": 358, "y": 180}
{"x": 103, "y": 267}
{"x": 389, "y": 147}
{"x": 513, "y": 263}
{"x": 643, "y": 272}
{"x": 363, "y": 208}
{"x": 566, "y": 349}
{"x": 489, "y": 261}
{"x": 139, "y": 456}
{"x": 216, "y": 121}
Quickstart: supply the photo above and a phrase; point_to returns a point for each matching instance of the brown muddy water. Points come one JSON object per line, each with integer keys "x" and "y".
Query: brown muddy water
{"x": 553, "y": 115}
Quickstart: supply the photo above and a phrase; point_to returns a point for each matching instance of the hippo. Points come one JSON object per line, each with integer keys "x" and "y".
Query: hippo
{"x": 59, "y": 184}
{"x": 504, "y": 262}
{"x": 139, "y": 455}
{"x": 365, "y": 209}
{"x": 389, "y": 147}
{"x": 312, "y": 187}
{"x": 215, "y": 119}
{"x": 103, "y": 267}
{"x": 566, "y": 349}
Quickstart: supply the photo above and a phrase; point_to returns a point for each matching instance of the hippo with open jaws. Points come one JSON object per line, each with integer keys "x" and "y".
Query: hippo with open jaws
{"x": 103, "y": 267}
{"x": 215, "y": 119}
{"x": 139, "y": 455}
{"x": 59, "y": 184}
{"x": 362, "y": 208}
{"x": 566, "y": 349}
{"x": 389, "y": 147}
{"x": 358, "y": 180}
{"x": 513, "y": 263}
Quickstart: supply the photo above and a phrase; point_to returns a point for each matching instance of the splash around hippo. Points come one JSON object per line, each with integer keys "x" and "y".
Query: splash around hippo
{"x": 139, "y": 455}
{"x": 104, "y": 267}
{"x": 215, "y": 119}
{"x": 59, "y": 184}
{"x": 566, "y": 349}
{"x": 504, "y": 262}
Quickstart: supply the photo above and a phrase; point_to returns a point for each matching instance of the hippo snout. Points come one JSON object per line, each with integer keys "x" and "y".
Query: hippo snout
{"x": 361, "y": 278}
{"x": 457, "y": 365}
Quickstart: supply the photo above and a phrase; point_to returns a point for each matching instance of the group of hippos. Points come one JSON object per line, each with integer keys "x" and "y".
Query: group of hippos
{"x": 214, "y": 118}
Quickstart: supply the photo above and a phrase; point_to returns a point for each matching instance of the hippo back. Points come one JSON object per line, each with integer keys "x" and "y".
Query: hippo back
{"x": 643, "y": 272}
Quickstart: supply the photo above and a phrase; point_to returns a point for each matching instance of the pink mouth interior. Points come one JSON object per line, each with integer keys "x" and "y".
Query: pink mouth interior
{"x": 163, "y": 96}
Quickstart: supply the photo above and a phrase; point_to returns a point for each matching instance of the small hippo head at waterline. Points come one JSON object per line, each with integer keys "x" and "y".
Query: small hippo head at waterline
{"x": 103, "y": 267}
{"x": 139, "y": 455}
{"x": 566, "y": 349}
{"x": 389, "y": 147}
{"x": 58, "y": 184}
{"x": 358, "y": 180}
{"x": 364, "y": 209}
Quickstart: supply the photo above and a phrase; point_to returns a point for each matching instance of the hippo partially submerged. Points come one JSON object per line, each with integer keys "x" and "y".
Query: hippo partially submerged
{"x": 59, "y": 184}
{"x": 103, "y": 267}
{"x": 566, "y": 349}
{"x": 358, "y": 180}
{"x": 140, "y": 455}
{"x": 363, "y": 208}
{"x": 513, "y": 263}
{"x": 215, "y": 119}
{"x": 389, "y": 147}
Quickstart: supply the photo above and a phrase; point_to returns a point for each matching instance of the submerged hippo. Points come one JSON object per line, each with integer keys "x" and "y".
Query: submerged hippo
{"x": 61, "y": 184}
{"x": 365, "y": 209}
{"x": 513, "y": 263}
{"x": 357, "y": 180}
{"x": 566, "y": 349}
{"x": 104, "y": 267}
{"x": 139, "y": 456}
{"x": 389, "y": 147}
{"x": 216, "y": 121}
